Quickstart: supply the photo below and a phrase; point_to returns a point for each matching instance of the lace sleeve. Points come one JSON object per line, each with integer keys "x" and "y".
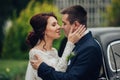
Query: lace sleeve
{"x": 31, "y": 74}
{"x": 31, "y": 54}
{"x": 62, "y": 64}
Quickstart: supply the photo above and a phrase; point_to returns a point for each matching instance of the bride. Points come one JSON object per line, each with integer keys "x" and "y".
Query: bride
{"x": 45, "y": 30}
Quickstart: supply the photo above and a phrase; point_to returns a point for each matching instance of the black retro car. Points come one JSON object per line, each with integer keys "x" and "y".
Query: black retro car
{"x": 109, "y": 40}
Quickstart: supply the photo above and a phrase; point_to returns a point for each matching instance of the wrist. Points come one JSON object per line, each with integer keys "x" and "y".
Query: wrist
{"x": 70, "y": 42}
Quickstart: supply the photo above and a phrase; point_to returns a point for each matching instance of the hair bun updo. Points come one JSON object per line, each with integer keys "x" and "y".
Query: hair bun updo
{"x": 32, "y": 39}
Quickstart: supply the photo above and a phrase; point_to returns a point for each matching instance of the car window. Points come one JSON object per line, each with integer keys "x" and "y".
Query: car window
{"x": 113, "y": 54}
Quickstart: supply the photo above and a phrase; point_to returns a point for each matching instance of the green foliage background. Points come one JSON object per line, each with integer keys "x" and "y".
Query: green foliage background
{"x": 13, "y": 69}
{"x": 14, "y": 43}
{"x": 113, "y": 13}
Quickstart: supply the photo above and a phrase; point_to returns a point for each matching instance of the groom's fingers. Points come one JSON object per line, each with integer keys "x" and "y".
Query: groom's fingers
{"x": 36, "y": 61}
{"x": 34, "y": 65}
{"x": 37, "y": 57}
{"x": 32, "y": 62}
{"x": 81, "y": 34}
{"x": 79, "y": 30}
{"x": 82, "y": 28}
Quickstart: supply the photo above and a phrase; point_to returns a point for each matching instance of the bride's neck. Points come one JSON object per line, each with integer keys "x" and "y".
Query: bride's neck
{"x": 44, "y": 45}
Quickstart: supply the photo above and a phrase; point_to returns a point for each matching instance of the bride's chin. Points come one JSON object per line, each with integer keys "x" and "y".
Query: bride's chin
{"x": 57, "y": 37}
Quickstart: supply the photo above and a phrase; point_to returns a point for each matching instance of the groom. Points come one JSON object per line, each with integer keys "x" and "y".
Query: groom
{"x": 86, "y": 63}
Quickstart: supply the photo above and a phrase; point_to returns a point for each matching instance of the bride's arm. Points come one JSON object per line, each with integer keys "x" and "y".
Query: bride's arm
{"x": 62, "y": 64}
{"x": 31, "y": 74}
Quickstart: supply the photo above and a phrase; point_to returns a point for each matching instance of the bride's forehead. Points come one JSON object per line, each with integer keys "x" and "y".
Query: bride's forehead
{"x": 52, "y": 20}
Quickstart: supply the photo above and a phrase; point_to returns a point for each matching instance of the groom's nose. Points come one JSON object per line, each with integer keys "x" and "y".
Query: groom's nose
{"x": 61, "y": 27}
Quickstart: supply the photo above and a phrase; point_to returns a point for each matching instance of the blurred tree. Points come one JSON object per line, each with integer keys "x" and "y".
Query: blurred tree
{"x": 7, "y": 7}
{"x": 113, "y": 13}
{"x": 14, "y": 43}
{"x": 10, "y": 7}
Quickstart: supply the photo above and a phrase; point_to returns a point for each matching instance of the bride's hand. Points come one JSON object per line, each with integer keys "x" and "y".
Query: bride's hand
{"x": 77, "y": 34}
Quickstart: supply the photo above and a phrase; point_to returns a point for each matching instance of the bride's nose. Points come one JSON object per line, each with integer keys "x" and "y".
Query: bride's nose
{"x": 58, "y": 26}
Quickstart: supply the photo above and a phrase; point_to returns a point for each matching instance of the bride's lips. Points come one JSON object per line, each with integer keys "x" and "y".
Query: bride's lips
{"x": 58, "y": 32}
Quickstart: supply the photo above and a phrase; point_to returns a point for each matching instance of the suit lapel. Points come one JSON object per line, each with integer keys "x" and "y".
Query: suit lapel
{"x": 76, "y": 50}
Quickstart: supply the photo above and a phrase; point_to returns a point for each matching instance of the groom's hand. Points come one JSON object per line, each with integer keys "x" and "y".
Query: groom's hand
{"x": 36, "y": 62}
{"x": 76, "y": 35}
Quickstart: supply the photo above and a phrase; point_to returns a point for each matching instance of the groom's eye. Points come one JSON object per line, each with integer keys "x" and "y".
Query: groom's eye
{"x": 64, "y": 23}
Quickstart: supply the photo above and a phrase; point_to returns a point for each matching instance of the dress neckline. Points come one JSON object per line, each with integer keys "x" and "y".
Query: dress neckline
{"x": 49, "y": 51}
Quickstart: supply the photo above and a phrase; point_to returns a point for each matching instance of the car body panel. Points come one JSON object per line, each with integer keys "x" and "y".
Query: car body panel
{"x": 109, "y": 40}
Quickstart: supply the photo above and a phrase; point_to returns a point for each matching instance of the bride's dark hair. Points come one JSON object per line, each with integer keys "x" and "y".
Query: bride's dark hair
{"x": 38, "y": 23}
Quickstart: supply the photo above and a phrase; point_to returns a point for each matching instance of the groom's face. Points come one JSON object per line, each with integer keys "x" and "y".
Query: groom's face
{"x": 66, "y": 24}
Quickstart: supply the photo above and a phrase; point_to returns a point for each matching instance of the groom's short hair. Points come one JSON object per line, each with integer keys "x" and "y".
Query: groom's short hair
{"x": 76, "y": 13}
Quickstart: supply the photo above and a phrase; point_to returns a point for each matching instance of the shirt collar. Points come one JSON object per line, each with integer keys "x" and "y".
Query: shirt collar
{"x": 86, "y": 32}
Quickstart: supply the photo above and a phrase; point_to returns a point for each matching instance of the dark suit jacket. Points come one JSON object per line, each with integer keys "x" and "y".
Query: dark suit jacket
{"x": 85, "y": 65}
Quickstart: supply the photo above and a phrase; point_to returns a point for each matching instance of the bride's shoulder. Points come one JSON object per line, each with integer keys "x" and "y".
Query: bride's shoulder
{"x": 54, "y": 49}
{"x": 33, "y": 51}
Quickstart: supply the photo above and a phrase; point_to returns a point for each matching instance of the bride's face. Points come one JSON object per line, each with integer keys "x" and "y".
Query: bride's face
{"x": 53, "y": 29}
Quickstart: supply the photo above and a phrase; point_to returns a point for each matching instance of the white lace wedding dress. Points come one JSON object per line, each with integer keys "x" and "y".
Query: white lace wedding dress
{"x": 51, "y": 58}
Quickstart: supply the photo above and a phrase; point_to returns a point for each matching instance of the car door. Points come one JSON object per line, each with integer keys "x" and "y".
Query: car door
{"x": 110, "y": 45}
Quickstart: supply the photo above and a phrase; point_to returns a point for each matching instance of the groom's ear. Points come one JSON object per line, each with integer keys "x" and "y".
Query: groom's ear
{"x": 76, "y": 25}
